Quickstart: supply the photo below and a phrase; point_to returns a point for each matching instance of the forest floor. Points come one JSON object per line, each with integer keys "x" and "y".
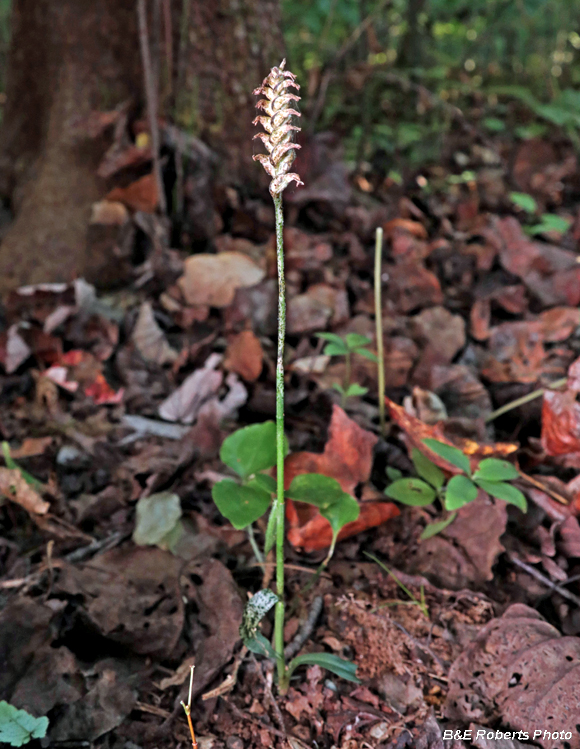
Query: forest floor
{"x": 113, "y": 398}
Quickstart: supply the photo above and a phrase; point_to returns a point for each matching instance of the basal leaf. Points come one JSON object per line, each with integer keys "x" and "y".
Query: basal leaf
{"x": 492, "y": 469}
{"x": 156, "y": 516}
{"x": 411, "y": 491}
{"x": 315, "y": 489}
{"x": 427, "y": 469}
{"x": 507, "y": 492}
{"x": 17, "y": 727}
{"x": 241, "y": 505}
{"x": 449, "y": 453}
{"x": 254, "y": 611}
{"x": 251, "y": 449}
{"x": 264, "y": 482}
{"x": 345, "y": 510}
{"x": 345, "y": 669}
{"x": 460, "y": 491}
{"x": 434, "y": 528}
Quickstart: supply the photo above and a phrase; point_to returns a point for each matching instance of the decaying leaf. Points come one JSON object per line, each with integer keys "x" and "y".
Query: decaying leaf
{"x": 184, "y": 404}
{"x": 347, "y": 457}
{"x": 213, "y": 279}
{"x": 150, "y": 340}
{"x": 560, "y": 423}
{"x": 522, "y": 672}
{"x": 14, "y": 487}
{"x": 244, "y": 355}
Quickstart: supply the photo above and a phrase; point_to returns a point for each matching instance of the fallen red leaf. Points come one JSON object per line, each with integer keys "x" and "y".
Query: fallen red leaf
{"x": 560, "y": 423}
{"x": 347, "y": 457}
{"x": 141, "y": 195}
{"x": 417, "y": 431}
{"x": 244, "y": 355}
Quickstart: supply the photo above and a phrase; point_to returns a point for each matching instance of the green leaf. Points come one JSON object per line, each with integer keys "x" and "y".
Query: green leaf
{"x": 254, "y": 611}
{"x": 316, "y": 489}
{"x": 13, "y": 465}
{"x": 344, "y": 669}
{"x": 494, "y": 124}
{"x": 355, "y": 341}
{"x": 393, "y": 473}
{"x": 332, "y": 337}
{"x": 550, "y": 222}
{"x": 333, "y": 349}
{"x": 492, "y": 469}
{"x": 17, "y": 727}
{"x": 524, "y": 201}
{"x": 251, "y": 449}
{"x": 264, "y": 482}
{"x": 260, "y": 646}
{"x": 354, "y": 390}
{"x": 156, "y": 517}
{"x": 460, "y": 491}
{"x": 366, "y": 354}
{"x": 338, "y": 507}
{"x": 507, "y": 492}
{"x": 241, "y": 505}
{"x": 411, "y": 491}
{"x": 449, "y": 453}
{"x": 338, "y": 387}
{"x": 434, "y": 528}
{"x": 427, "y": 469}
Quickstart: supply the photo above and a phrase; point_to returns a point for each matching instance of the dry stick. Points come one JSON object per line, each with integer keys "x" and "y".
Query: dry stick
{"x": 546, "y": 581}
{"x": 305, "y": 630}
{"x": 546, "y": 489}
{"x": 151, "y": 96}
{"x": 379, "y": 324}
{"x": 187, "y": 709}
{"x": 524, "y": 399}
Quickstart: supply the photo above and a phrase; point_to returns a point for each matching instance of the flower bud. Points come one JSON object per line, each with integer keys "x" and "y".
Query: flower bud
{"x": 279, "y": 134}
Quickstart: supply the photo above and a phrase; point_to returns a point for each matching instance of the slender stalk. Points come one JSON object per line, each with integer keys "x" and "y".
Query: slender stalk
{"x": 379, "y": 324}
{"x": 254, "y": 545}
{"x": 524, "y": 399}
{"x": 279, "y": 614}
{"x": 346, "y": 382}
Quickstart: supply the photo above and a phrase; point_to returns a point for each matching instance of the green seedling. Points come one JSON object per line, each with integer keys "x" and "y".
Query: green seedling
{"x": 17, "y": 727}
{"x": 351, "y": 344}
{"x": 492, "y": 475}
{"x": 414, "y": 601}
{"x": 253, "y": 451}
{"x": 549, "y": 222}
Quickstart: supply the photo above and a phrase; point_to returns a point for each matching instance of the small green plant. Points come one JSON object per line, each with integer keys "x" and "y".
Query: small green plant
{"x": 351, "y": 344}
{"x": 548, "y": 221}
{"x": 17, "y": 727}
{"x": 253, "y": 451}
{"x": 492, "y": 475}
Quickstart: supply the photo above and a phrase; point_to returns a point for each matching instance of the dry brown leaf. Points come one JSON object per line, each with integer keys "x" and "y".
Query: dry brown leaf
{"x": 213, "y": 279}
{"x": 140, "y": 195}
{"x": 244, "y": 355}
{"x": 150, "y": 340}
{"x": 13, "y": 486}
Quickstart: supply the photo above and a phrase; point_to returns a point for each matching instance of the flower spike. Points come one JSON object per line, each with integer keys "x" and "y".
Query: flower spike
{"x": 276, "y": 121}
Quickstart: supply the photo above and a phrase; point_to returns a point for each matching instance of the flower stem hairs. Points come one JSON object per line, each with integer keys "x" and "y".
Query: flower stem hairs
{"x": 279, "y": 134}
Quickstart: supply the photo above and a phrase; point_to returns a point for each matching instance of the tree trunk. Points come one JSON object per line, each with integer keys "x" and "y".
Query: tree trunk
{"x": 70, "y": 57}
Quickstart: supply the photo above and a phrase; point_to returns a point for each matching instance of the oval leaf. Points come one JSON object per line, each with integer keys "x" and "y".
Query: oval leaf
{"x": 492, "y": 469}
{"x": 241, "y": 505}
{"x": 355, "y": 390}
{"x": 315, "y": 489}
{"x": 251, "y": 449}
{"x": 411, "y": 492}
{"x": 366, "y": 354}
{"x": 345, "y": 510}
{"x": 355, "y": 341}
{"x": 460, "y": 491}
{"x": 449, "y": 453}
{"x": 507, "y": 492}
{"x": 264, "y": 482}
{"x": 427, "y": 469}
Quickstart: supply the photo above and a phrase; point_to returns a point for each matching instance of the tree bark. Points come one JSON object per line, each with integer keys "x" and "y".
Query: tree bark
{"x": 69, "y": 58}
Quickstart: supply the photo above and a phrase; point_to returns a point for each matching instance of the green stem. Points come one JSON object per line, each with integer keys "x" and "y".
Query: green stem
{"x": 379, "y": 324}
{"x": 279, "y": 614}
{"x": 525, "y": 399}
{"x": 346, "y": 383}
{"x": 254, "y": 545}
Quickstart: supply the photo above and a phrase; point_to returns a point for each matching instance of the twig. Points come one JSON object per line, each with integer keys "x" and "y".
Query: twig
{"x": 268, "y": 668}
{"x": 544, "y": 580}
{"x": 379, "y": 324}
{"x": 230, "y": 681}
{"x": 151, "y": 96}
{"x": 546, "y": 489}
{"x": 187, "y": 709}
{"x": 305, "y": 630}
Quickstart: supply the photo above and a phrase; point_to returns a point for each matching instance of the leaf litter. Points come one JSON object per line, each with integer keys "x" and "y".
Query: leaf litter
{"x": 116, "y": 571}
